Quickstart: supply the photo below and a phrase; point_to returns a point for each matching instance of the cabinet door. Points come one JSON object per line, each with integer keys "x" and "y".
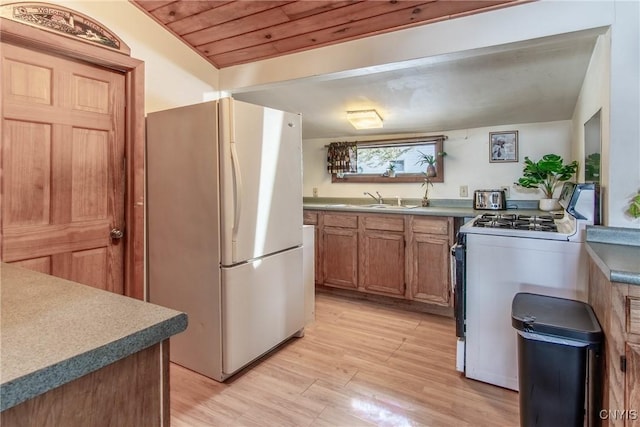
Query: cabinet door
{"x": 340, "y": 257}
{"x": 382, "y": 262}
{"x": 318, "y": 256}
{"x": 429, "y": 264}
{"x": 632, "y": 393}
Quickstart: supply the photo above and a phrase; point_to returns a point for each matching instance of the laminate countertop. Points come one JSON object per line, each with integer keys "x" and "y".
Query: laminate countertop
{"x": 449, "y": 211}
{"x": 53, "y": 331}
{"x": 616, "y": 251}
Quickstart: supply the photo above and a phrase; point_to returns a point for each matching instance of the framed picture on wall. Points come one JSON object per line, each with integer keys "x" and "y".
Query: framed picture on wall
{"x": 503, "y": 146}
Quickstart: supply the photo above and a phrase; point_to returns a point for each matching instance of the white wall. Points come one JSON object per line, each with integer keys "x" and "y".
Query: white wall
{"x": 623, "y": 145}
{"x": 466, "y": 163}
{"x": 595, "y": 95}
{"x": 175, "y": 75}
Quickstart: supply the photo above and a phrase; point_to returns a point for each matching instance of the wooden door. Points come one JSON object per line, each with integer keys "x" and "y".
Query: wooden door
{"x": 382, "y": 262}
{"x": 429, "y": 278}
{"x": 340, "y": 257}
{"x": 62, "y": 163}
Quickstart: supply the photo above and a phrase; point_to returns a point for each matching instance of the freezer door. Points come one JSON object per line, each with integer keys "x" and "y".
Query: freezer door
{"x": 261, "y": 181}
{"x": 263, "y": 305}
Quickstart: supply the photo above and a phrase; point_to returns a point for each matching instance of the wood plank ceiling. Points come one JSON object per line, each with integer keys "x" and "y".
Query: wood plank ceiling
{"x": 229, "y": 33}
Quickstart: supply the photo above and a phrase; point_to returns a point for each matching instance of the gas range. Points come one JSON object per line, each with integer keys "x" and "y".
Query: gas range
{"x": 519, "y": 221}
{"x": 578, "y": 200}
{"x": 553, "y": 226}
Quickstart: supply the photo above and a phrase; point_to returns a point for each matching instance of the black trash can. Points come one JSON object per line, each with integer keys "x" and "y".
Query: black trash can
{"x": 559, "y": 345}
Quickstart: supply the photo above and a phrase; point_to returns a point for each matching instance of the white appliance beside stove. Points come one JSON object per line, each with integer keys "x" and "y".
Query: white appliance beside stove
{"x": 498, "y": 255}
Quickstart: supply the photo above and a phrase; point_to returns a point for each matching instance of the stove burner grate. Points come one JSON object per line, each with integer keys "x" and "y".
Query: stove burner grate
{"x": 519, "y": 222}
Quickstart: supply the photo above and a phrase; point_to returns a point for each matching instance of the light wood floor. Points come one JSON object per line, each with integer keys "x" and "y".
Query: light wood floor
{"x": 359, "y": 364}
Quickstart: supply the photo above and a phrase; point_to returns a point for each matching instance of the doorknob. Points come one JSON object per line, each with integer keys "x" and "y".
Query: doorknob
{"x": 116, "y": 233}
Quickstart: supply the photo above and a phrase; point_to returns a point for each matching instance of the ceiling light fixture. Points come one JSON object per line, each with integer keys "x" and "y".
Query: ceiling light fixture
{"x": 364, "y": 119}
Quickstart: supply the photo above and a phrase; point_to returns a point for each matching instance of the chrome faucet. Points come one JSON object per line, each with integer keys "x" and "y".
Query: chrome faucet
{"x": 377, "y": 199}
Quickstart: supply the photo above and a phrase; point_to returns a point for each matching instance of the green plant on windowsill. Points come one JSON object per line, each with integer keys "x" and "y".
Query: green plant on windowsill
{"x": 391, "y": 170}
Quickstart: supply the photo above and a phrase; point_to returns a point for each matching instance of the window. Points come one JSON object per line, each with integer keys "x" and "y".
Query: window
{"x": 375, "y": 158}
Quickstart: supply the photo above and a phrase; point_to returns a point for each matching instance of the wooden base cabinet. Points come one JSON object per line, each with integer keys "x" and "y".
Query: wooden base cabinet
{"x": 133, "y": 391}
{"x": 382, "y": 261}
{"x": 428, "y": 259}
{"x": 429, "y": 278}
{"x": 617, "y": 307}
{"x": 340, "y": 250}
{"x": 401, "y": 256}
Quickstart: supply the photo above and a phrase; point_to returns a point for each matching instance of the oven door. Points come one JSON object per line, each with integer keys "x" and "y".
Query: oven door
{"x": 458, "y": 264}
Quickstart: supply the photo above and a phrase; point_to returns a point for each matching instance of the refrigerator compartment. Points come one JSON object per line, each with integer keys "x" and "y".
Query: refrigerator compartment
{"x": 263, "y": 305}
{"x": 260, "y": 181}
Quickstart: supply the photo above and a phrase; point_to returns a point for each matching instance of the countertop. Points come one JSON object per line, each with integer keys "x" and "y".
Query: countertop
{"x": 434, "y": 211}
{"x": 53, "y": 331}
{"x": 616, "y": 251}
{"x": 452, "y": 211}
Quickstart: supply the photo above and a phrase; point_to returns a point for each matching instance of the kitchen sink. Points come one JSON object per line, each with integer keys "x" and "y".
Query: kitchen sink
{"x": 384, "y": 205}
{"x": 373, "y": 205}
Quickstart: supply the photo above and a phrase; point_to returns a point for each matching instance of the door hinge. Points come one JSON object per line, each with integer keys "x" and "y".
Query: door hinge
{"x": 623, "y": 363}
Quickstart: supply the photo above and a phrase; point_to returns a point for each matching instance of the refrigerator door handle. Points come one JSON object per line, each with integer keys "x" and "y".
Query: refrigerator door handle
{"x": 237, "y": 198}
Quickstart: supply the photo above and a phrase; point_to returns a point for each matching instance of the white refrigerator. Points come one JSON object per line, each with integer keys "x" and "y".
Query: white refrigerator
{"x": 224, "y": 230}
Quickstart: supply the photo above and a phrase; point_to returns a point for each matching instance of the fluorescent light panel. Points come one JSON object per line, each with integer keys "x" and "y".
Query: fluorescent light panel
{"x": 364, "y": 119}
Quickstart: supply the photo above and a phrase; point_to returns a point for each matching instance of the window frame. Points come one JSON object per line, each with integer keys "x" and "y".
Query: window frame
{"x": 399, "y": 178}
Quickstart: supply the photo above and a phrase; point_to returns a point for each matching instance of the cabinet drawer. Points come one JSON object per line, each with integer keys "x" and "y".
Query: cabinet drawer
{"x": 310, "y": 218}
{"x": 344, "y": 221}
{"x": 633, "y": 316}
{"x": 429, "y": 225}
{"x": 383, "y": 222}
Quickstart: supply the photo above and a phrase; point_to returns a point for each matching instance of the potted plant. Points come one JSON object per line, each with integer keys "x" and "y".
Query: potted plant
{"x": 391, "y": 170}
{"x": 546, "y": 174}
{"x": 426, "y": 183}
{"x": 430, "y": 160}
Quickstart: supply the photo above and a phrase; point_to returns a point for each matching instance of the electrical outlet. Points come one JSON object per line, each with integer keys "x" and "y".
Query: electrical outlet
{"x": 315, "y": 191}
{"x": 506, "y": 190}
{"x": 464, "y": 191}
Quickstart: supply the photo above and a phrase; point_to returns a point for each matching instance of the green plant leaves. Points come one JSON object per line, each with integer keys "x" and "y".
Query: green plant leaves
{"x": 634, "y": 206}
{"x": 546, "y": 173}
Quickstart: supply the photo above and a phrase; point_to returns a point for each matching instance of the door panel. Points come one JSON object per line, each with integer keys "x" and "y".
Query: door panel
{"x": 62, "y": 162}
{"x": 429, "y": 275}
{"x": 382, "y": 262}
{"x": 90, "y": 170}
{"x": 340, "y": 257}
{"x": 43, "y": 265}
{"x": 27, "y": 83}
{"x": 90, "y": 267}
{"x": 26, "y": 154}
